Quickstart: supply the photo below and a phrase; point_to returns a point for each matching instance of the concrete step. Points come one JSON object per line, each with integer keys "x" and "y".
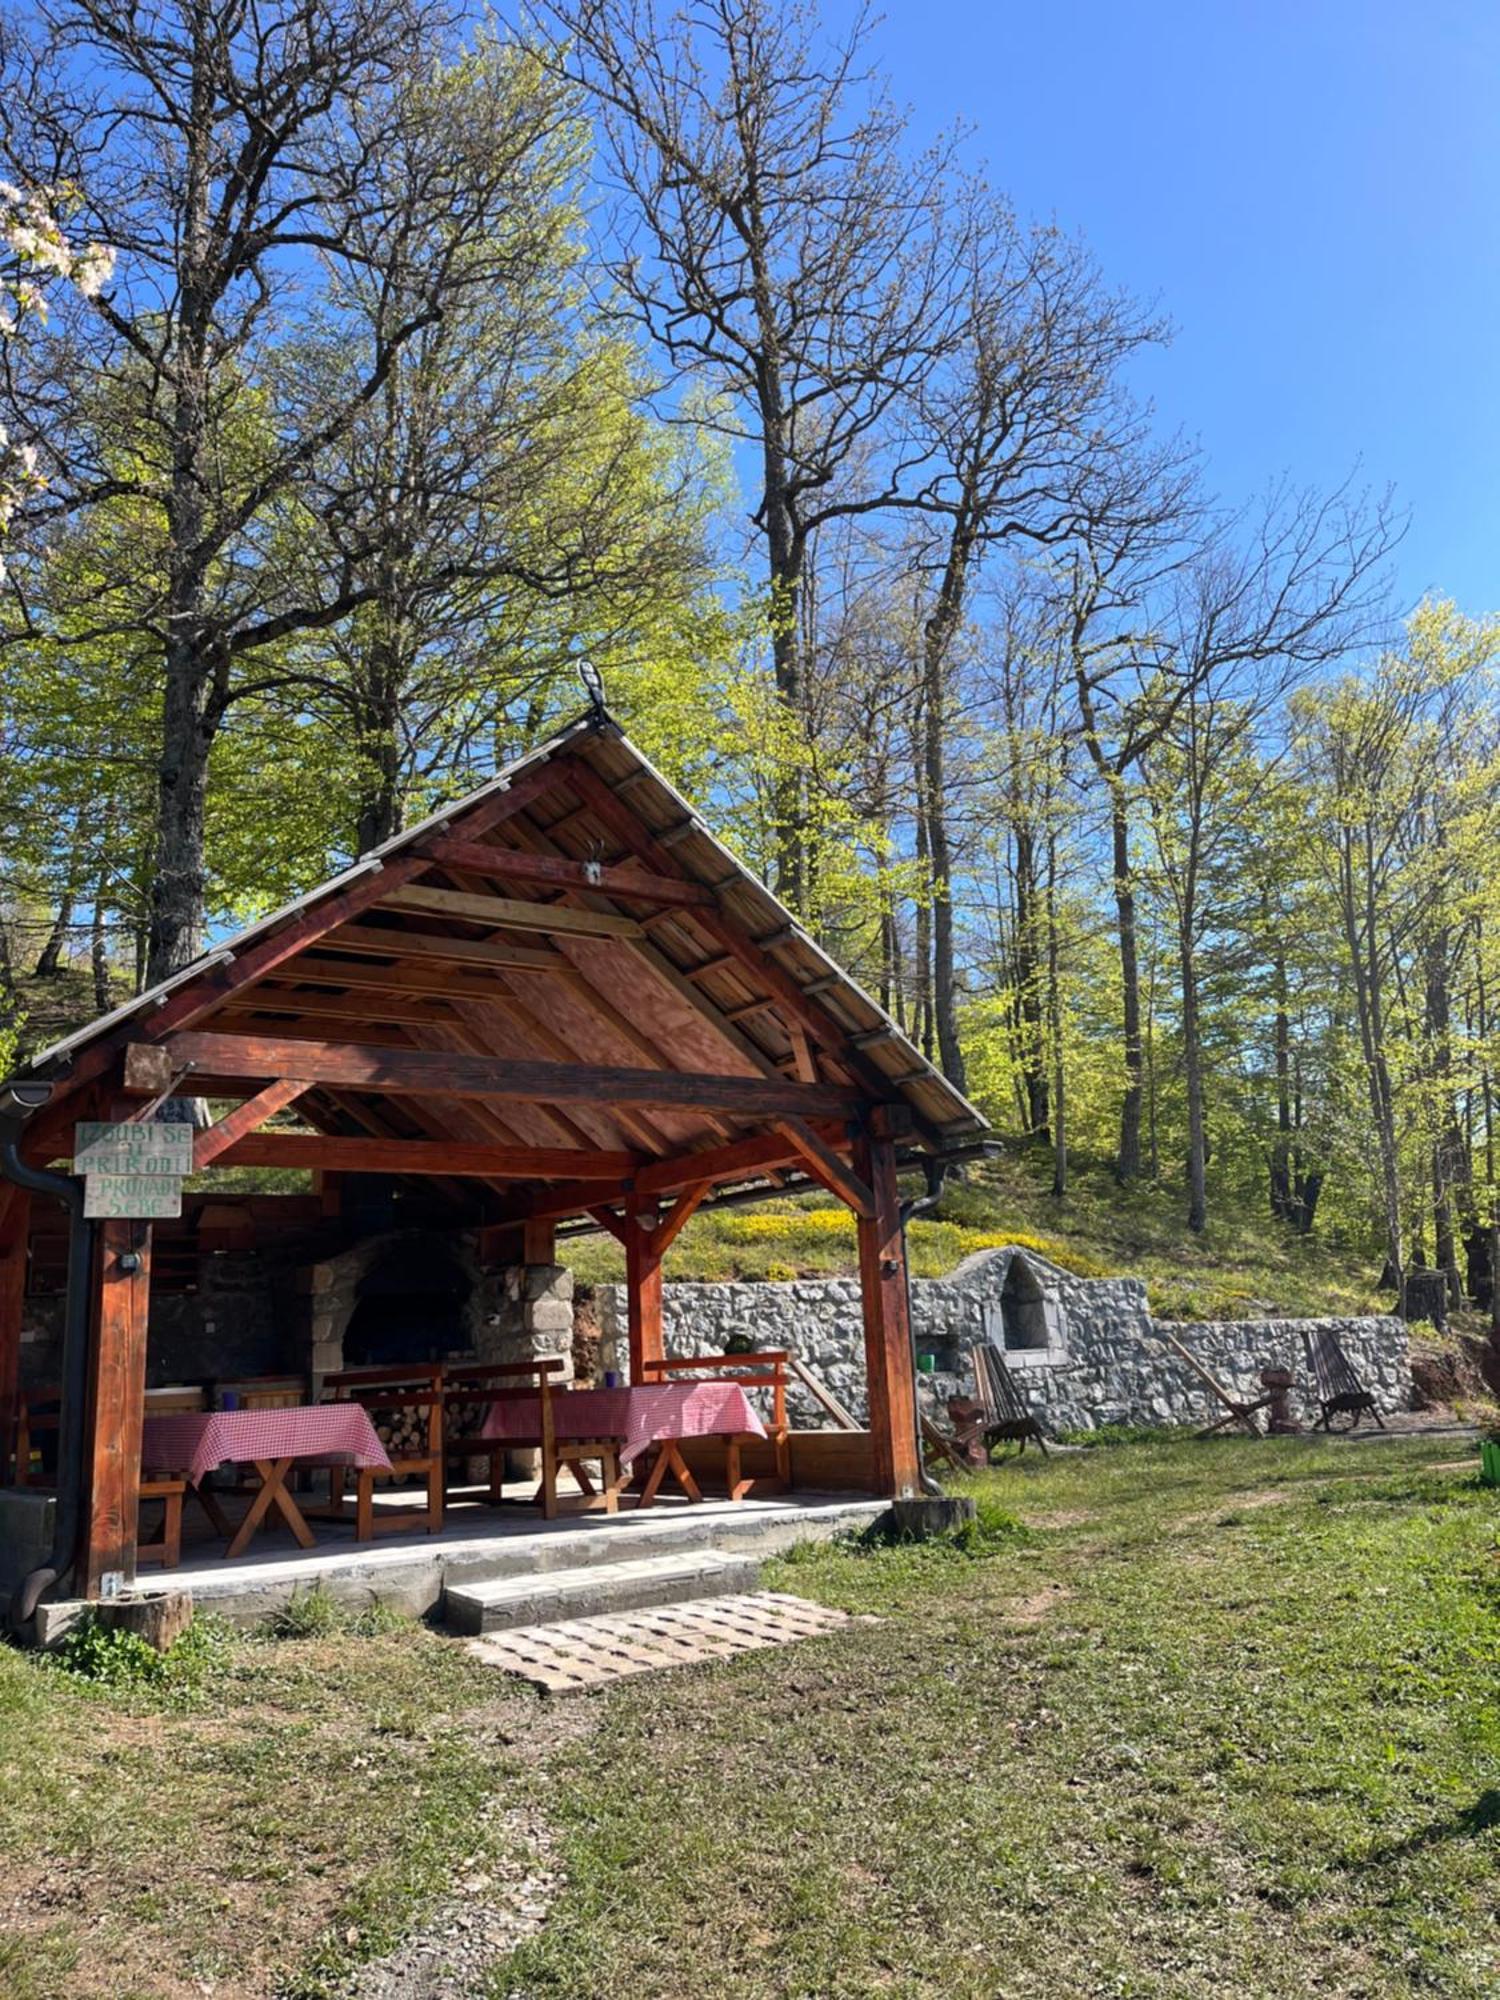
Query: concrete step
{"x": 752, "y": 1530}
{"x": 594, "y": 1590}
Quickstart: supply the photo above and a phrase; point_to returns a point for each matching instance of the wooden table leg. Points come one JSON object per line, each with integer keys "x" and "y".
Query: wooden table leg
{"x": 669, "y": 1459}
{"x": 273, "y": 1493}
{"x": 208, "y": 1500}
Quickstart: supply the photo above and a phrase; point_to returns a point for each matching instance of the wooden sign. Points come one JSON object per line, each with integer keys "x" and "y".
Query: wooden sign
{"x": 126, "y": 1149}
{"x": 134, "y": 1197}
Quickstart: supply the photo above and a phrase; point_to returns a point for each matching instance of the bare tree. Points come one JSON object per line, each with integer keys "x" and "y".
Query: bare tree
{"x": 1021, "y": 423}
{"x": 231, "y": 156}
{"x": 781, "y": 246}
{"x": 1136, "y": 531}
{"x": 1259, "y": 610}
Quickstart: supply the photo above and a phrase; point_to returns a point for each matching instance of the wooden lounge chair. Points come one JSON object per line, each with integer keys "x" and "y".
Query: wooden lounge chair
{"x": 406, "y": 1404}
{"x": 759, "y": 1370}
{"x": 1339, "y": 1391}
{"x": 1007, "y": 1419}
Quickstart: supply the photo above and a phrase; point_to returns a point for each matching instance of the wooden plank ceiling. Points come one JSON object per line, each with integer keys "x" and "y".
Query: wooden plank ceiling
{"x": 564, "y": 991}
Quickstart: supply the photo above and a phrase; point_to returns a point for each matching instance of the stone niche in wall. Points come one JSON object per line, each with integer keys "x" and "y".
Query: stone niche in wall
{"x": 1028, "y": 1319}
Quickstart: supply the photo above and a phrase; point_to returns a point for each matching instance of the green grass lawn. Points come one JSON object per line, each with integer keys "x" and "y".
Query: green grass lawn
{"x": 1181, "y": 1720}
{"x": 1244, "y": 1264}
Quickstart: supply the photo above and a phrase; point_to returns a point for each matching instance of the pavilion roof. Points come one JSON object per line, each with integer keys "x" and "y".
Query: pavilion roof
{"x": 560, "y": 987}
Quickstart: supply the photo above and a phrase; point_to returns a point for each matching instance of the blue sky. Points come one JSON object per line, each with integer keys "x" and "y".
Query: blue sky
{"x": 1312, "y": 193}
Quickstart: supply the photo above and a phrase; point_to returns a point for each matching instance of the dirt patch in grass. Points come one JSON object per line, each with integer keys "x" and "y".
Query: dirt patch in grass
{"x": 1056, "y": 1517}
{"x": 1038, "y": 1606}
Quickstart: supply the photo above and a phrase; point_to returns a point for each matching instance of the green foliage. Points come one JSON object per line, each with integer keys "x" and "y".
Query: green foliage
{"x": 315, "y": 1613}
{"x": 115, "y": 1658}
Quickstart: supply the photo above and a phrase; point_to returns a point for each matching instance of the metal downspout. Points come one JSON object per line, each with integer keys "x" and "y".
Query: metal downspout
{"x": 17, "y": 1102}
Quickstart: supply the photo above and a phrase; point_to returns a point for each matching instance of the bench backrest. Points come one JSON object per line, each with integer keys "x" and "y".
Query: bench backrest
{"x": 1002, "y": 1400}
{"x": 1330, "y": 1365}
{"x": 418, "y": 1388}
{"x": 765, "y": 1369}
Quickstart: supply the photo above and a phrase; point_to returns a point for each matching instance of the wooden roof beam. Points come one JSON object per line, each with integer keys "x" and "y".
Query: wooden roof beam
{"x": 505, "y": 912}
{"x": 428, "y": 1156}
{"x": 509, "y": 864}
{"x": 627, "y": 829}
{"x": 428, "y": 1072}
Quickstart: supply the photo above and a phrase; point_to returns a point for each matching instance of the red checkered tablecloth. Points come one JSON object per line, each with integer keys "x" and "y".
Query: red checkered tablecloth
{"x": 641, "y": 1417}
{"x": 197, "y": 1441}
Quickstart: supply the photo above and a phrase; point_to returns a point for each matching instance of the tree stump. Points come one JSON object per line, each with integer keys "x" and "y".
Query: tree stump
{"x": 920, "y": 1520}
{"x": 160, "y": 1620}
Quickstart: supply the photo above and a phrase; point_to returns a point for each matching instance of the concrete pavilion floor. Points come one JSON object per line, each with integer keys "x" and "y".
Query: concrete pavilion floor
{"x": 478, "y": 1543}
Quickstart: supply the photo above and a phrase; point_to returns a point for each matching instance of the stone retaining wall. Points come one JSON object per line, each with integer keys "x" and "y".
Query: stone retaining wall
{"x": 1104, "y": 1364}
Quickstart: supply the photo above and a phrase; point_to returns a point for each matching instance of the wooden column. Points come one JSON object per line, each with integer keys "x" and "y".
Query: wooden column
{"x": 643, "y": 1254}
{"x": 539, "y": 1242}
{"x": 15, "y": 1220}
{"x": 889, "y": 1365}
{"x": 116, "y": 1403}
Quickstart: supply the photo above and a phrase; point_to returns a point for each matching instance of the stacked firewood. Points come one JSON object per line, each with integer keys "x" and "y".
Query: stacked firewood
{"x": 402, "y": 1429}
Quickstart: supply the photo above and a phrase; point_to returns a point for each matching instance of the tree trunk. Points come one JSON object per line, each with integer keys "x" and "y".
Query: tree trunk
{"x": 99, "y": 948}
{"x": 1361, "y": 936}
{"x": 1282, "y": 1199}
{"x": 1055, "y": 1033}
{"x": 1128, "y": 1159}
{"x": 190, "y": 713}
{"x": 940, "y": 862}
{"x": 49, "y": 959}
{"x": 1030, "y": 1002}
{"x": 1192, "y": 1066}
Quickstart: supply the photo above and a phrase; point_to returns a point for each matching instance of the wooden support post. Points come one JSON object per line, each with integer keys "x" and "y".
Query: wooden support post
{"x": 643, "y": 1296}
{"x": 116, "y": 1403}
{"x": 15, "y": 1219}
{"x": 539, "y": 1242}
{"x": 889, "y": 1365}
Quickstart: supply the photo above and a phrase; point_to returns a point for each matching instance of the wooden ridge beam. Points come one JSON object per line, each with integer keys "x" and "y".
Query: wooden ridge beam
{"x": 506, "y": 912}
{"x": 428, "y": 1072}
{"x": 370, "y": 941}
{"x": 509, "y": 864}
{"x": 463, "y": 1158}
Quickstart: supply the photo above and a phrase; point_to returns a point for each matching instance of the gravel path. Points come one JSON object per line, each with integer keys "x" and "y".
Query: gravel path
{"x": 493, "y": 1908}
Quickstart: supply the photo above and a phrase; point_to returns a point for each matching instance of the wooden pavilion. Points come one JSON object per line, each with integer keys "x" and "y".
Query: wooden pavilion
{"x": 558, "y": 999}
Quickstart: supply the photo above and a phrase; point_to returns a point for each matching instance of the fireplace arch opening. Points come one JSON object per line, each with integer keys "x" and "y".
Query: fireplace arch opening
{"x": 412, "y": 1304}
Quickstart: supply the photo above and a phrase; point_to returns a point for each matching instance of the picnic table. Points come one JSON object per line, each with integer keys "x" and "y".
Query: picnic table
{"x": 657, "y": 1414}
{"x": 194, "y": 1443}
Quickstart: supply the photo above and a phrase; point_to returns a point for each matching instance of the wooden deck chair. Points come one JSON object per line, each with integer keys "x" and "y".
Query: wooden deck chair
{"x": 1007, "y": 1419}
{"x": 1339, "y": 1391}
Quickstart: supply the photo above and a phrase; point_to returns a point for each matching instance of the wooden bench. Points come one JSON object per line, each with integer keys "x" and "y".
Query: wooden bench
{"x": 167, "y": 1547}
{"x": 768, "y": 1370}
{"x": 532, "y": 1382}
{"x": 407, "y": 1403}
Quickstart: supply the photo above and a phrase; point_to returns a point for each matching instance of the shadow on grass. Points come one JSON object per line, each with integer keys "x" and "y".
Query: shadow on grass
{"x": 1480, "y": 1817}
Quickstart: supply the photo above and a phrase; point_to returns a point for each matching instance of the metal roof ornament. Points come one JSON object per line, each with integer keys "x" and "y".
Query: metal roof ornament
{"x": 593, "y": 687}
